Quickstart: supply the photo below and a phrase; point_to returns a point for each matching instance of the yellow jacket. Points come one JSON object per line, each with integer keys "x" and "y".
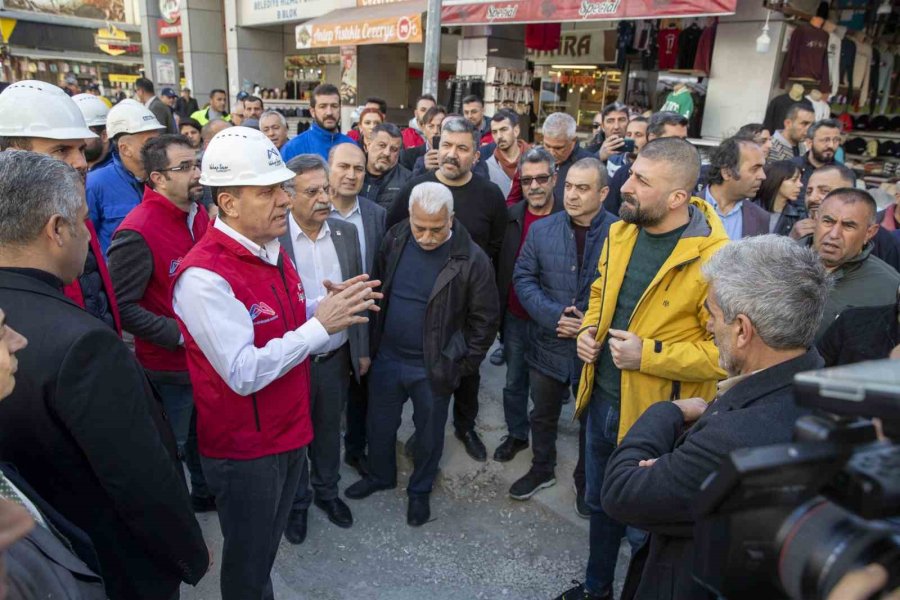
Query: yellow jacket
{"x": 679, "y": 357}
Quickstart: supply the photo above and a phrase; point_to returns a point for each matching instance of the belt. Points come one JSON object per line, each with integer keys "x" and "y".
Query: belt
{"x": 320, "y": 358}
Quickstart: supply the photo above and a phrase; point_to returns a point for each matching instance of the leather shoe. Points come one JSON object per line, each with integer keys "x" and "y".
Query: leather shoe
{"x": 364, "y": 488}
{"x": 295, "y": 532}
{"x": 337, "y": 510}
{"x": 418, "y": 511}
{"x": 507, "y": 451}
{"x": 358, "y": 463}
{"x": 473, "y": 444}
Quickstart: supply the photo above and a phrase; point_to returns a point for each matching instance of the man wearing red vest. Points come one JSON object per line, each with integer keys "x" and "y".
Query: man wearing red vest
{"x": 40, "y": 117}
{"x": 241, "y": 308}
{"x": 146, "y": 250}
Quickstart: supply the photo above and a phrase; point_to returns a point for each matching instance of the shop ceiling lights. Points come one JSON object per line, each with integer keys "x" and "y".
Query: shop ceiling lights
{"x": 764, "y": 41}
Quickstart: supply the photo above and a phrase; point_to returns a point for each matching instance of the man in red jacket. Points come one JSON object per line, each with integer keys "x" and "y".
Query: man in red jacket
{"x": 146, "y": 250}
{"x": 241, "y": 308}
{"x": 40, "y": 117}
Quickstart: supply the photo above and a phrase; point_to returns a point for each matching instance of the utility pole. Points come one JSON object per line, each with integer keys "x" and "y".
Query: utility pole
{"x": 432, "y": 48}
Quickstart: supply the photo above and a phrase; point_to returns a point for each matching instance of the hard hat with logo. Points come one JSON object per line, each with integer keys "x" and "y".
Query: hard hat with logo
{"x": 239, "y": 156}
{"x": 130, "y": 116}
{"x": 92, "y": 108}
{"x": 36, "y": 109}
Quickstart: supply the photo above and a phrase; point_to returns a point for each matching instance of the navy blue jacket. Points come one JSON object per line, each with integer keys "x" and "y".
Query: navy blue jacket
{"x": 112, "y": 191}
{"x": 547, "y": 280}
{"x": 314, "y": 140}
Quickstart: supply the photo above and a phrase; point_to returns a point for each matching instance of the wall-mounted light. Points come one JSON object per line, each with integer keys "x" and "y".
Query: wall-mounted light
{"x": 763, "y": 42}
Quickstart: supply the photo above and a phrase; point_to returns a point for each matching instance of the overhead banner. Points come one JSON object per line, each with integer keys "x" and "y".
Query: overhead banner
{"x": 360, "y": 26}
{"x": 103, "y": 10}
{"x": 490, "y": 12}
{"x": 270, "y": 12}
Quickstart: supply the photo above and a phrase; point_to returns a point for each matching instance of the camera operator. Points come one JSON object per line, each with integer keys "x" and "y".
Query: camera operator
{"x": 766, "y": 298}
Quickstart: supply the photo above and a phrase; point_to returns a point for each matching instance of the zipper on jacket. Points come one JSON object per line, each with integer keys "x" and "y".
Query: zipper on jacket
{"x": 255, "y": 412}
{"x": 281, "y": 306}
{"x": 676, "y": 390}
{"x": 286, "y": 291}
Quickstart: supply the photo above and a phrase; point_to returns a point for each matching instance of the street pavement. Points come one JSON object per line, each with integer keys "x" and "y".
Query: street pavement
{"x": 479, "y": 544}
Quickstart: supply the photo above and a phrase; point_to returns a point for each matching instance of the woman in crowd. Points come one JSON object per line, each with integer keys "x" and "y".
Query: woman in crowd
{"x": 778, "y": 194}
{"x": 369, "y": 119}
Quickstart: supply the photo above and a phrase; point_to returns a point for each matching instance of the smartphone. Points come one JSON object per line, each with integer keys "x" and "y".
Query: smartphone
{"x": 628, "y": 146}
{"x": 436, "y": 142}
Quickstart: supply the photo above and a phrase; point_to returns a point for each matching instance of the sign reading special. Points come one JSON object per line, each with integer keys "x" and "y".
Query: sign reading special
{"x": 384, "y": 30}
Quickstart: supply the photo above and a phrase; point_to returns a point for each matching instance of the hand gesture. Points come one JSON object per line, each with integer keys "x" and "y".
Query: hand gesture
{"x": 569, "y": 322}
{"x": 626, "y": 349}
{"x": 338, "y": 310}
{"x": 803, "y": 228}
{"x": 611, "y": 146}
{"x": 587, "y": 347}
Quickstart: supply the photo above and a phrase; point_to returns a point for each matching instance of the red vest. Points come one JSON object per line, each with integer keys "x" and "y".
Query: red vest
{"x": 276, "y": 418}
{"x": 73, "y": 290}
{"x": 164, "y": 229}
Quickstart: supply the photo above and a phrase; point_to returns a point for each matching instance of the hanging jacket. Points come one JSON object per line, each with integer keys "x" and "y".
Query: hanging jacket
{"x": 314, "y": 140}
{"x": 679, "y": 358}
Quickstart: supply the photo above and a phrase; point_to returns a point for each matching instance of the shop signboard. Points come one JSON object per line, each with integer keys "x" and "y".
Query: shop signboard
{"x": 168, "y": 30}
{"x": 170, "y": 10}
{"x": 405, "y": 28}
{"x": 579, "y": 47}
{"x": 270, "y": 12}
{"x": 103, "y": 10}
{"x": 488, "y": 12}
{"x": 115, "y": 42}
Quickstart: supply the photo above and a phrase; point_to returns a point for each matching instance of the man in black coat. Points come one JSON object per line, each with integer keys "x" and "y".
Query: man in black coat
{"x": 384, "y": 175}
{"x": 83, "y": 425}
{"x": 766, "y": 298}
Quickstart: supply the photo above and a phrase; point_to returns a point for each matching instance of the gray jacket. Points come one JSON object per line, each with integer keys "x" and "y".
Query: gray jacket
{"x": 346, "y": 244}
{"x": 164, "y": 115}
{"x": 499, "y": 176}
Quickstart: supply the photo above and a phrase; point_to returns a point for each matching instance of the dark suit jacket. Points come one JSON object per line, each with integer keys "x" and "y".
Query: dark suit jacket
{"x": 346, "y": 244}
{"x": 756, "y": 219}
{"x": 374, "y": 218}
{"x": 164, "y": 115}
{"x": 87, "y": 431}
{"x": 758, "y": 411}
{"x": 860, "y": 334}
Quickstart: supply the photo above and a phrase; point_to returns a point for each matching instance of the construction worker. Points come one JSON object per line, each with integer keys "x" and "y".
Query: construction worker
{"x": 98, "y": 152}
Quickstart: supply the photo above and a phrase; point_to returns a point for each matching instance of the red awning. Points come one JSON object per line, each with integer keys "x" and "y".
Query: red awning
{"x": 489, "y": 12}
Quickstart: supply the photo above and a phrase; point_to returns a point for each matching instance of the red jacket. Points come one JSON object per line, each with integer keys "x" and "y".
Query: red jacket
{"x": 73, "y": 290}
{"x": 412, "y": 138}
{"x": 164, "y": 229}
{"x": 276, "y": 418}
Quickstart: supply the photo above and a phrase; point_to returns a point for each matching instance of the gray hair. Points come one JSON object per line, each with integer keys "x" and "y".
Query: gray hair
{"x": 682, "y": 158}
{"x": 537, "y": 155}
{"x": 431, "y": 197}
{"x": 778, "y": 284}
{"x": 273, "y": 113}
{"x": 460, "y": 125}
{"x": 558, "y": 125}
{"x": 27, "y": 202}
{"x": 304, "y": 163}
{"x": 593, "y": 164}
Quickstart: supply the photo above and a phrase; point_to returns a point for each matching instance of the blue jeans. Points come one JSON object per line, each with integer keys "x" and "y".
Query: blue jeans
{"x": 515, "y": 394}
{"x": 605, "y": 533}
{"x": 178, "y": 401}
{"x": 391, "y": 382}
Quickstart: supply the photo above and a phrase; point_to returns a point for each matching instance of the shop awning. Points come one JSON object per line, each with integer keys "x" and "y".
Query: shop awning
{"x": 494, "y": 12}
{"x": 397, "y": 22}
{"x": 88, "y": 57}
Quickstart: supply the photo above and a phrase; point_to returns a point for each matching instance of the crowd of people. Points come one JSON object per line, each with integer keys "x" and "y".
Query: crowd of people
{"x": 285, "y": 297}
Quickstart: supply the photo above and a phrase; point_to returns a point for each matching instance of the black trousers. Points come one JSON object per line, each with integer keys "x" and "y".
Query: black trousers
{"x": 465, "y": 403}
{"x": 357, "y": 405}
{"x": 547, "y": 395}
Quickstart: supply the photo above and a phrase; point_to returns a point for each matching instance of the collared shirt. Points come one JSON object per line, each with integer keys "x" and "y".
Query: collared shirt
{"x": 733, "y": 221}
{"x": 149, "y": 101}
{"x": 316, "y": 261}
{"x": 223, "y": 329}
{"x": 355, "y": 217}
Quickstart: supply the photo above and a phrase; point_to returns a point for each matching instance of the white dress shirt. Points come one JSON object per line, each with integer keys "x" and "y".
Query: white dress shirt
{"x": 223, "y": 329}
{"x": 316, "y": 261}
{"x": 355, "y": 217}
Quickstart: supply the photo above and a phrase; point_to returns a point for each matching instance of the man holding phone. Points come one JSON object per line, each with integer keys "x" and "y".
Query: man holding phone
{"x": 635, "y": 138}
{"x": 613, "y": 122}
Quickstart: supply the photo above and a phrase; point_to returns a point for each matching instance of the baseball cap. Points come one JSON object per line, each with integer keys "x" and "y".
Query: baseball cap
{"x": 168, "y": 92}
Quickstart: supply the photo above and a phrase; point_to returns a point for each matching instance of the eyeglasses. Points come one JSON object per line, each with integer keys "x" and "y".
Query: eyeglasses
{"x": 541, "y": 179}
{"x": 187, "y": 165}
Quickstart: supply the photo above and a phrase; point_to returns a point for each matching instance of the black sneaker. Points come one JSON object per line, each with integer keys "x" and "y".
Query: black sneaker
{"x": 581, "y": 507}
{"x": 528, "y": 486}
{"x": 497, "y": 356}
{"x": 511, "y": 446}
{"x": 579, "y": 593}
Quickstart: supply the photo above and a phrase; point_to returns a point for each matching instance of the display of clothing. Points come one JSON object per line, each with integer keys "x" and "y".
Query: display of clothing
{"x": 688, "y": 40}
{"x": 625, "y": 33}
{"x": 861, "y": 71}
{"x": 777, "y": 111}
{"x": 874, "y": 67}
{"x": 834, "y": 61}
{"x": 703, "y": 59}
{"x": 642, "y": 32}
{"x": 668, "y": 47}
{"x": 885, "y": 72}
{"x": 820, "y": 107}
{"x": 648, "y": 54}
{"x": 848, "y": 60}
{"x": 807, "y": 57}
{"x": 679, "y": 101}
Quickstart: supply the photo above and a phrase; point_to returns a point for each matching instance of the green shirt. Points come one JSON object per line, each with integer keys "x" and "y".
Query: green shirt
{"x": 650, "y": 253}
{"x": 681, "y": 103}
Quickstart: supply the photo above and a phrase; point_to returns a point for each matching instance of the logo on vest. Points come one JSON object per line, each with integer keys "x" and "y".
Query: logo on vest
{"x": 300, "y": 294}
{"x": 261, "y": 312}
{"x": 173, "y": 266}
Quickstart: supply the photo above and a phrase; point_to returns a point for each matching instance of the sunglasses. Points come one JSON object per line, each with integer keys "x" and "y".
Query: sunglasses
{"x": 541, "y": 179}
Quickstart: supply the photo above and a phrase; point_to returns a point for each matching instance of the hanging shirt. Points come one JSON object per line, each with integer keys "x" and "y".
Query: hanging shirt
{"x": 834, "y": 61}
{"x": 807, "y": 57}
{"x": 668, "y": 47}
{"x": 861, "y": 71}
{"x": 820, "y": 107}
{"x": 688, "y": 40}
{"x": 703, "y": 58}
{"x": 884, "y": 79}
{"x": 681, "y": 102}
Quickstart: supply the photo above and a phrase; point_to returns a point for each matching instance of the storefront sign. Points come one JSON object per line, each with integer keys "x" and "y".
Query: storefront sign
{"x": 375, "y": 2}
{"x": 311, "y": 60}
{"x": 486, "y": 12}
{"x": 269, "y": 12}
{"x": 170, "y": 10}
{"x": 104, "y": 10}
{"x": 386, "y": 30}
{"x": 119, "y": 78}
{"x": 6, "y": 28}
{"x": 348, "y": 75}
{"x": 165, "y": 71}
{"x": 580, "y": 48}
{"x": 115, "y": 42}
{"x": 168, "y": 30}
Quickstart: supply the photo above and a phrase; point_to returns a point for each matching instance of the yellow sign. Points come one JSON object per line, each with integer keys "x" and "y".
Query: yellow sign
{"x": 163, "y": 48}
{"x": 6, "y": 28}
{"x": 384, "y": 30}
{"x": 118, "y": 78}
{"x": 113, "y": 41}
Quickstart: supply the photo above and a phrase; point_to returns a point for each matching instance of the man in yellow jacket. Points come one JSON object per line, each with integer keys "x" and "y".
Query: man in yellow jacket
{"x": 644, "y": 338}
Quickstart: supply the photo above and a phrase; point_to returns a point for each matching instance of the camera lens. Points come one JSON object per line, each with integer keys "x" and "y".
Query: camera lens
{"x": 820, "y": 542}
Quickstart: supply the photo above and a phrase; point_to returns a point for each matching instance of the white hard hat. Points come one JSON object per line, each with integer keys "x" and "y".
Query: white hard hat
{"x": 40, "y": 110}
{"x": 130, "y": 116}
{"x": 93, "y": 108}
{"x": 242, "y": 156}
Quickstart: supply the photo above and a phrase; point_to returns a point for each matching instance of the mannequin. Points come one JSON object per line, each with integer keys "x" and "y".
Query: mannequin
{"x": 817, "y": 22}
{"x": 829, "y": 27}
{"x": 778, "y": 107}
{"x": 822, "y": 109}
{"x": 796, "y": 92}
{"x": 679, "y": 101}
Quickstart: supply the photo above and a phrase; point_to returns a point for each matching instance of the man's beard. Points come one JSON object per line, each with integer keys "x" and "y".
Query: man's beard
{"x": 537, "y": 201}
{"x": 452, "y": 161}
{"x": 631, "y": 212}
{"x": 822, "y": 158}
{"x": 325, "y": 127}
{"x": 93, "y": 152}
{"x": 726, "y": 361}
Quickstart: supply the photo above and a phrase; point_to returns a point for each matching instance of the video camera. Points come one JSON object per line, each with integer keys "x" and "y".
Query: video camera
{"x": 790, "y": 520}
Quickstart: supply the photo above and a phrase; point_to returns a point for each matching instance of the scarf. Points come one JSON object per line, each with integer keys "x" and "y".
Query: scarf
{"x": 510, "y": 167}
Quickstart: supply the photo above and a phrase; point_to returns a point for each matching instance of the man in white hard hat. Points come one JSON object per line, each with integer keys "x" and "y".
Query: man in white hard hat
{"x": 241, "y": 308}
{"x": 42, "y": 118}
{"x": 118, "y": 187}
{"x": 97, "y": 152}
